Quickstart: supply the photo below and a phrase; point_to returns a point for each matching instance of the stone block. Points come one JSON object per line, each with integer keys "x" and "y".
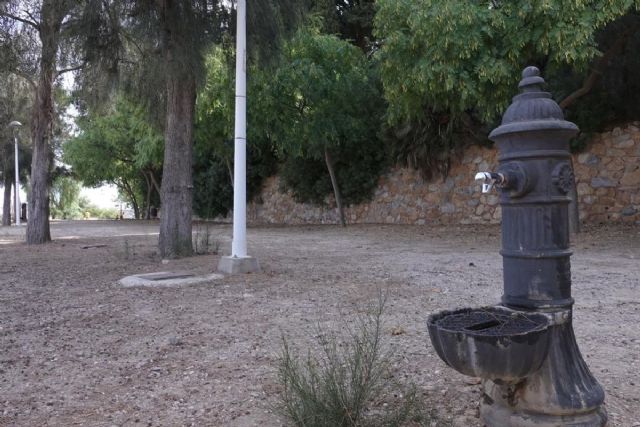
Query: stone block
{"x": 598, "y": 148}
{"x": 497, "y": 214}
{"x": 616, "y": 164}
{"x": 588, "y": 199}
{"x": 447, "y": 208}
{"x": 631, "y": 179}
{"x": 623, "y": 141}
{"x": 584, "y": 189}
{"x": 588, "y": 159}
{"x": 599, "y": 182}
{"x": 615, "y": 152}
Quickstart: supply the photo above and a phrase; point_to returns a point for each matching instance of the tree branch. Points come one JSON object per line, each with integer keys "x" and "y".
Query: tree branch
{"x": 66, "y": 70}
{"x": 597, "y": 70}
{"x": 23, "y": 20}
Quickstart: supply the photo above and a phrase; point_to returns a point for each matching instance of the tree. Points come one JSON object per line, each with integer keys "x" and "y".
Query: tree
{"x": 213, "y": 159}
{"x": 15, "y": 98}
{"x": 465, "y": 57}
{"x": 53, "y": 33}
{"x": 461, "y": 60}
{"x": 351, "y": 20}
{"x": 322, "y": 99}
{"x": 120, "y": 148}
{"x": 65, "y": 198}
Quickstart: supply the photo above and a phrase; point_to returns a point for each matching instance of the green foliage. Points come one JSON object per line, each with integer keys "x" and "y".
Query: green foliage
{"x": 115, "y": 148}
{"x": 357, "y": 171}
{"x": 325, "y": 96}
{"x": 325, "y": 91}
{"x": 65, "y": 198}
{"x": 460, "y": 63}
{"x": 429, "y": 143}
{"x": 613, "y": 99}
{"x": 339, "y": 386}
{"x": 352, "y": 20}
{"x": 91, "y": 211}
{"x": 459, "y": 56}
{"x": 213, "y": 150}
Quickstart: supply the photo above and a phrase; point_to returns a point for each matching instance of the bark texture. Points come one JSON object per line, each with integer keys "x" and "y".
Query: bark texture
{"x": 6, "y": 204}
{"x": 49, "y": 29}
{"x": 177, "y": 181}
{"x": 177, "y": 187}
{"x": 336, "y": 187}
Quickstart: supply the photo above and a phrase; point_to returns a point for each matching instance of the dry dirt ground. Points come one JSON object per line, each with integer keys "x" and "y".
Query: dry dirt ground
{"x": 78, "y": 349}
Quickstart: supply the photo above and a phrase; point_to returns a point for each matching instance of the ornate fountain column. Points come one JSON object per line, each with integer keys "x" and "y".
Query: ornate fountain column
{"x": 525, "y": 349}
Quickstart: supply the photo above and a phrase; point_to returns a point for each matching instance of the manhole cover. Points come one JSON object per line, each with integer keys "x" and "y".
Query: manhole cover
{"x": 164, "y": 276}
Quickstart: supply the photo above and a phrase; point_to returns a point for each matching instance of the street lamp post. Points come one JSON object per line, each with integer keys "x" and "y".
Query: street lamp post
{"x": 239, "y": 261}
{"x": 15, "y": 125}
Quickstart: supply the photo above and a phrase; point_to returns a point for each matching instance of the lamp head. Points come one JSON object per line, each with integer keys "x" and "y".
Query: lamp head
{"x": 15, "y": 124}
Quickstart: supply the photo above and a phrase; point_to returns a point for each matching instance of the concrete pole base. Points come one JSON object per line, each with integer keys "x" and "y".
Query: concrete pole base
{"x": 238, "y": 265}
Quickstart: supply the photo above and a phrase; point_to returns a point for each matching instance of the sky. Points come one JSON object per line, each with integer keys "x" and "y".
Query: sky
{"x": 103, "y": 197}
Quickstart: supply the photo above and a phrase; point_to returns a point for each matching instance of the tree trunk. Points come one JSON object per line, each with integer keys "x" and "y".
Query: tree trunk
{"x": 38, "y": 224}
{"x": 177, "y": 180}
{"x": 147, "y": 201}
{"x": 132, "y": 198}
{"x": 6, "y": 204}
{"x": 336, "y": 188}
{"x": 177, "y": 185}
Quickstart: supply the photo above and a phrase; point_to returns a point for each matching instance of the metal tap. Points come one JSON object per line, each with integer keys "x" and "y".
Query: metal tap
{"x": 489, "y": 179}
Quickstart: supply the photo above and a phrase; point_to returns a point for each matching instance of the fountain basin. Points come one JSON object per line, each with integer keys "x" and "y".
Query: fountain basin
{"x": 493, "y": 343}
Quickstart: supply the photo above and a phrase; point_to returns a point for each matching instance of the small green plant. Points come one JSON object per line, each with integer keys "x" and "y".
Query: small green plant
{"x": 348, "y": 383}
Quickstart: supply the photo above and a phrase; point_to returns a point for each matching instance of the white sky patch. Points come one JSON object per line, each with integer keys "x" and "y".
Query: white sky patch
{"x": 103, "y": 197}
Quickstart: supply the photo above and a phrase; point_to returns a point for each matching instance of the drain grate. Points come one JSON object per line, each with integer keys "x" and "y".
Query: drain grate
{"x": 486, "y": 321}
{"x": 165, "y": 276}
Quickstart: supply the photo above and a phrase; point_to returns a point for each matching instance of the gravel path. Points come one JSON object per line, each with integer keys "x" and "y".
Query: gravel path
{"x": 78, "y": 349}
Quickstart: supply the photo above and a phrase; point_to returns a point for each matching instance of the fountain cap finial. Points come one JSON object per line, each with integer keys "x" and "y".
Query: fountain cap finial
{"x": 531, "y": 80}
{"x": 533, "y": 109}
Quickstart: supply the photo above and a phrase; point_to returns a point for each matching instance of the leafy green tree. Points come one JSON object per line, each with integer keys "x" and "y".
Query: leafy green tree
{"x": 43, "y": 39}
{"x": 122, "y": 149}
{"x": 65, "y": 198}
{"x": 213, "y": 151}
{"x": 323, "y": 98}
{"x": 459, "y": 56}
{"x": 351, "y": 20}
{"x": 461, "y": 61}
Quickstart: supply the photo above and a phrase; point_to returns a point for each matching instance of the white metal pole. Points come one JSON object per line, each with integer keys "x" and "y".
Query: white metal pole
{"x": 17, "y": 198}
{"x": 239, "y": 244}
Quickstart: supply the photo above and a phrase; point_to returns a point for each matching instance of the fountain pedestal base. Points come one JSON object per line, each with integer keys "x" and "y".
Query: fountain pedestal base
{"x": 561, "y": 393}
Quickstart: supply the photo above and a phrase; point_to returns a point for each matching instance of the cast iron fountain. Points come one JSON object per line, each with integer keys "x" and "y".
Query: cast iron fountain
{"x": 524, "y": 349}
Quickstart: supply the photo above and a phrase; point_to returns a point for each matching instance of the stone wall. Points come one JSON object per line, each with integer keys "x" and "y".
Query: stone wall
{"x": 607, "y": 174}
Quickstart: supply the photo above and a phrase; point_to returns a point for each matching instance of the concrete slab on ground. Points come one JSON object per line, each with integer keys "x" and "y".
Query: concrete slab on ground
{"x": 167, "y": 279}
